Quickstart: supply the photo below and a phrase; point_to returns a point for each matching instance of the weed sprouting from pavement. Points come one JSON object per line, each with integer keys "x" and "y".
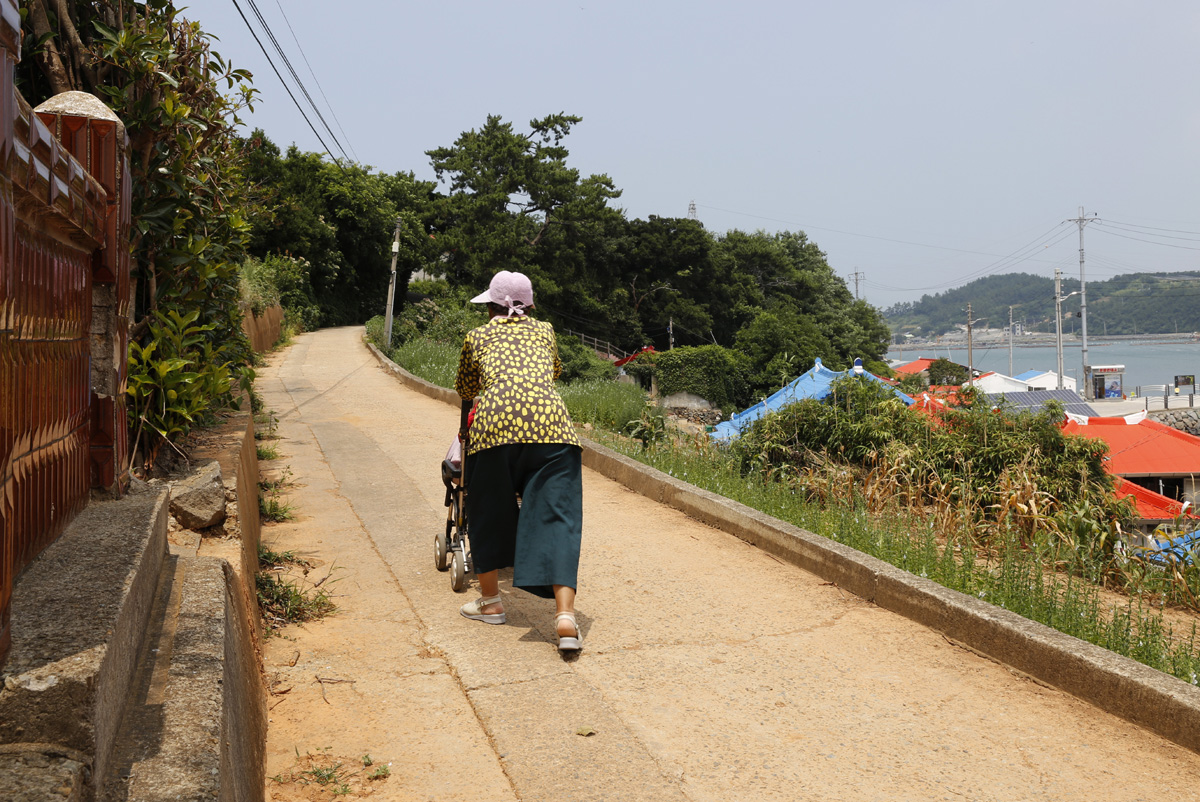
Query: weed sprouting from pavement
{"x": 284, "y": 600}
{"x": 330, "y": 773}
{"x": 271, "y": 505}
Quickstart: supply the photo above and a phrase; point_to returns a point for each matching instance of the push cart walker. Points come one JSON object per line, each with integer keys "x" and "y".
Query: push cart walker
{"x": 451, "y": 548}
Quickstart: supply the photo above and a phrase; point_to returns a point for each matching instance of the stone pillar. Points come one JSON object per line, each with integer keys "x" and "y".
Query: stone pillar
{"x": 93, "y": 134}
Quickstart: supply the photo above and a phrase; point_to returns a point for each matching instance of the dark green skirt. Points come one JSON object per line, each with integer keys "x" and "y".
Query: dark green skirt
{"x": 540, "y": 539}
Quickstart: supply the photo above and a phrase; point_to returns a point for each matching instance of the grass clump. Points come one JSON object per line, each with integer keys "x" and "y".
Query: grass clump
{"x": 603, "y": 403}
{"x": 271, "y": 504}
{"x": 283, "y": 599}
{"x": 329, "y": 774}
{"x": 436, "y": 363}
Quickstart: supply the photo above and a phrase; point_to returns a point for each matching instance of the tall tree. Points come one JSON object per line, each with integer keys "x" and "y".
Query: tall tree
{"x": 514, "y": 204}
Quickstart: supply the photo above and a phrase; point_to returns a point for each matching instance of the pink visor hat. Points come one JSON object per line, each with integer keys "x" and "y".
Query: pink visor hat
{"x": 513, "y": 291}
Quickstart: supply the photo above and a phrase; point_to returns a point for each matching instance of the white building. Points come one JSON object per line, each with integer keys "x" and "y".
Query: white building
{"x": 1045, "y": 380}
{"x": 996, "y": 383}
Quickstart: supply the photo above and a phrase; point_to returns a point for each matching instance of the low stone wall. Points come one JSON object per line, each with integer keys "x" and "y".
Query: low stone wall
{"x": 1185, "y": 420}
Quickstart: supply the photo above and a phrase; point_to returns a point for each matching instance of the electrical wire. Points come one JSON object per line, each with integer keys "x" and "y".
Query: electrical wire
{"x": 1150, "y": 228}
{"x": 285, "y": 86}
{"x": 1131, "y": 230}
{"x": 1104, "y": 230}
{"x": 295, "y": 77}
{"x": 316, "y": 80}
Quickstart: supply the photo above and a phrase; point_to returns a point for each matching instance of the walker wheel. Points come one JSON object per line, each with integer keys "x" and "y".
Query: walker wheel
{"x": 441, "y": 548}
{"x": 458, "y": 571}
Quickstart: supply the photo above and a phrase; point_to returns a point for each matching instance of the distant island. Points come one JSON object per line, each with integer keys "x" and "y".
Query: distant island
{"x": 1126, "y": 305}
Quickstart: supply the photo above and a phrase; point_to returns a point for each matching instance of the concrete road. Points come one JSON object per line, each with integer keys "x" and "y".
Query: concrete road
{"x": 711, "y": 671}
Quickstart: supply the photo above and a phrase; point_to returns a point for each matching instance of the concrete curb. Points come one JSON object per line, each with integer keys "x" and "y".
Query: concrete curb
{"x": 1116, "y": 684}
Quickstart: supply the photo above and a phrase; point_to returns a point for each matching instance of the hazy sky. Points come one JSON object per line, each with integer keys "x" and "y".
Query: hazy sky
{"x": 920, "y": 143}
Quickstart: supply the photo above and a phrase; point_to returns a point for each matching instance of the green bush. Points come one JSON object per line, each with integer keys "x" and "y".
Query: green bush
{"x": 283, "y": 280}
{"x": 177, "y": 379}
{"x": 451, "y": 323}
{"x": 713, "y": 372}
{"x": 580, "y": 362}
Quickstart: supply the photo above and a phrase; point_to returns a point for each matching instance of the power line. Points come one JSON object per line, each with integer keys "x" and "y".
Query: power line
{"x": 316, "y": 80}
{"x": 287, "y": 63}
{"x": 1150, "y": 241}
{"x": 1022, "y": 254}
{"x": 1151, "y": 228}
{"x": 285, "y": 86}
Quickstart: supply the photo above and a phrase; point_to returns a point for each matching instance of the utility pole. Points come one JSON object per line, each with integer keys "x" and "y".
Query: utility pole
{"x": 1081, "y": 221}
{"x": 857, "y": 274}
{"x": 1010, "y": 339}
{"x": 387, "y": 321}
{"x": 970, "y": 352}
{"x": 670, "y": 333}
{"x": 1058, "y": 321}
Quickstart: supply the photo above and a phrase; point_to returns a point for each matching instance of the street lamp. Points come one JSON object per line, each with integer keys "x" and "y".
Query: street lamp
{"x": 1058, "y": 299}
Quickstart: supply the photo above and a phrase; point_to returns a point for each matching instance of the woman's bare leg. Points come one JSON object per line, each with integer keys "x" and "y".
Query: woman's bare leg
{"x": 489, "y": 585}
{"x": 564, "y": 602}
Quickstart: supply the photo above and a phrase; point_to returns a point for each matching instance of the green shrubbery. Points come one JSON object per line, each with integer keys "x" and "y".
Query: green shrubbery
{"x": 580, "y": 363}
{"x": 283, "y": 280}
{"x": 998, "y": 470}
{"x": 177, "y": 379}
{"x": 714, "y": 373}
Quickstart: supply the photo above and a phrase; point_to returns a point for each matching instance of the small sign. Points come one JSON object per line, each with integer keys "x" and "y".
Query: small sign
{"x": 1186, "y": 380}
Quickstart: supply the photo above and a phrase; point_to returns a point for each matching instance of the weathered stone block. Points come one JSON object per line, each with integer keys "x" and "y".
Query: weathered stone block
{"x": 198, "y": 501}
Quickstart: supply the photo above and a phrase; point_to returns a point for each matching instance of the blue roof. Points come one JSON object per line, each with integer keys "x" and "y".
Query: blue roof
{"x": 1181, "y": 549}
{"x": 1029, "y": 374}
{"x": 814, "y": 383}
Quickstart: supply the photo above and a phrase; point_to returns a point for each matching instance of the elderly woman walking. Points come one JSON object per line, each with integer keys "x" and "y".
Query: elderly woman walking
{"x": 522, "y": 442}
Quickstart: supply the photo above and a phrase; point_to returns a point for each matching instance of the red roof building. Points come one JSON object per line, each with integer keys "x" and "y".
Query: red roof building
{"x": 915, "y": 368}
{"x": 1156, "y": 464}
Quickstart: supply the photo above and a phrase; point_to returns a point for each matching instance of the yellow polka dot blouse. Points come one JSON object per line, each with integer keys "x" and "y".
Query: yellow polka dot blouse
{"x": 510, "y": 364}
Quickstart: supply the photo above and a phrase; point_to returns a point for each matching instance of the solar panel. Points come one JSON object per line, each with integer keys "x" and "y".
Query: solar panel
{"x": 1036, "y": 399}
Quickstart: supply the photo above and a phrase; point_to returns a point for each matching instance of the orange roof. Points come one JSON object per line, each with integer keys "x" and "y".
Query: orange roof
{"x": 1148, "y": 448}
{"x": 916, "y": 367}
{"x": 1150, "y": 505}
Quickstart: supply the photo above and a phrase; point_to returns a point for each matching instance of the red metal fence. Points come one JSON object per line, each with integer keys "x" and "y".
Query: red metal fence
{"x": 64, "y": 234}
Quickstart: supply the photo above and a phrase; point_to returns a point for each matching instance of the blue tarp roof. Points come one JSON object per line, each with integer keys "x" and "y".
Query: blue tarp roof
{"x": 1181, "y": 549}
{"x": 815, "y": 383}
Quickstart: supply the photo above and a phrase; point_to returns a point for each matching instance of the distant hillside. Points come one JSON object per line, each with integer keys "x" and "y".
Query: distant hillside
{"x": 1137, "y": 303}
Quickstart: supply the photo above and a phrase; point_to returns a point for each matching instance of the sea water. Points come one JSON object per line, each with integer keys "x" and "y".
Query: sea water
{"x": 1146, "y": 361}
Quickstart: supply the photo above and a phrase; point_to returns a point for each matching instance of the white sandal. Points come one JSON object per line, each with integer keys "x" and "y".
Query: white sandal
{"x": 474, "y": 611}
{"x": 567, "y": 643}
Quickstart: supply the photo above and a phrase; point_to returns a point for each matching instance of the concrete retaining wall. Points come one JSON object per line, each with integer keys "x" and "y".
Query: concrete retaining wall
{"x": 79, "y": 613}
{"x": 1113, "y": 683}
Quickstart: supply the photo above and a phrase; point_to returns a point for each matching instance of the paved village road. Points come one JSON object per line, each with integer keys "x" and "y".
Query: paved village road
{"x": 711, "y": 671}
